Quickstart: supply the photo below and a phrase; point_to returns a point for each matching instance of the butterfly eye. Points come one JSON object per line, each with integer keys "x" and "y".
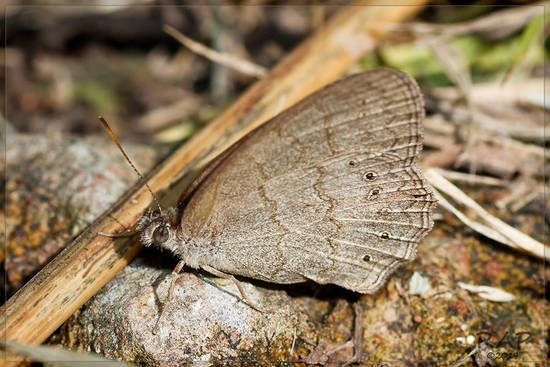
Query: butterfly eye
{"x": 367, "y": 258}
{"x": 370, "y": 176}
{"x": 155, "y": 213}
{"x": 160, "y": 235}
{"x": 384, "y": 235}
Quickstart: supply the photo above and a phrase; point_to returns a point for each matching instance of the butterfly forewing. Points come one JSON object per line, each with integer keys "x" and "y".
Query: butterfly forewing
{"x": 328, "y": 190}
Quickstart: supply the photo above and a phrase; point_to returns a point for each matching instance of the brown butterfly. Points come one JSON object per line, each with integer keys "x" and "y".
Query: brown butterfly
{"x": 328, "y": 190}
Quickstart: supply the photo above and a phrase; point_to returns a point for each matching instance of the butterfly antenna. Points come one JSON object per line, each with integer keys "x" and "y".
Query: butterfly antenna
{"x": 112, "y": 134}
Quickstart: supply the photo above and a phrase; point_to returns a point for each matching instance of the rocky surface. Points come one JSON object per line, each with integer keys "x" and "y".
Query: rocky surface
{"x": 56, "y": 185}
{"x": 434, "y": 323}
{"x": 421, "y": 317}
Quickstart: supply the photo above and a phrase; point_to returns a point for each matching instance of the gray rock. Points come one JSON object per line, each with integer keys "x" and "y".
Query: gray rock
{"x": 205, "y": 323}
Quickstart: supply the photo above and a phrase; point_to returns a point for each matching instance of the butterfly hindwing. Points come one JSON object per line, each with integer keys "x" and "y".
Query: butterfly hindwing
{"x": 328, "y": 190}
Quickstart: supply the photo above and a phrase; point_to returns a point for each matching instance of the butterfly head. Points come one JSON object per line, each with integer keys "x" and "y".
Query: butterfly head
{"x": 159, "y": 228}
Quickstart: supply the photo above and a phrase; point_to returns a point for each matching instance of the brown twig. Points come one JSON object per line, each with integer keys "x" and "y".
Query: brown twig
{"x": 522, "y": 190}
{"x": 471, "y": 179}
{"x": 499, "y": 23}
{"x": 487, "y": 224}
{"x": 231, "y": 61}
{"x": 441, "y": 126}
{"x": 456, "y": 67}
{"x": 164, "y": 116}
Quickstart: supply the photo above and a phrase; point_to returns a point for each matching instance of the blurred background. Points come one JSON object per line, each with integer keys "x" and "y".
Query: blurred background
{"x": 64, "y": 65}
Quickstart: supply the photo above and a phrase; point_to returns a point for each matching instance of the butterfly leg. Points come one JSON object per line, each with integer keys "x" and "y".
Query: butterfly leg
{"x": 173, "y": 279}
{"x": 223, "y": 275}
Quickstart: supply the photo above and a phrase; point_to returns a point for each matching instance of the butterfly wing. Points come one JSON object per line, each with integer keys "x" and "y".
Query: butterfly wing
{"x": 328, "y": 190}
